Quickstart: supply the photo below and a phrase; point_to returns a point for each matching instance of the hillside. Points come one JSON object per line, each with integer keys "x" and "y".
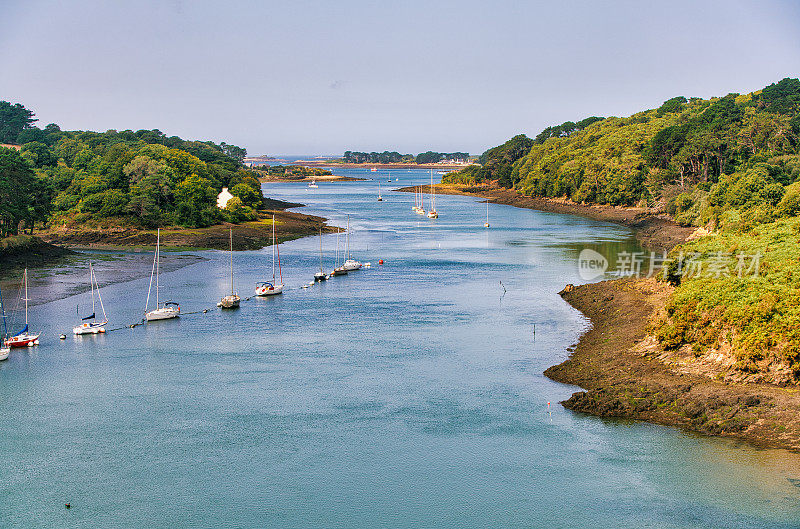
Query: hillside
{"x": 730, "y": 165}
{"x": 143, "y": 179}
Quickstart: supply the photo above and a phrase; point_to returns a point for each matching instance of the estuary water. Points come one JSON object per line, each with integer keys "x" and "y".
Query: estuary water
{"x": 408, "y": 394}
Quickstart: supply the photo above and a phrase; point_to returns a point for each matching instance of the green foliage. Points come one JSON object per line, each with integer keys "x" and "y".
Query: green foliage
{"x": 18, "y": 189}
{"x": 143, "y": 177}
{"x": 695, "y": 144}
{"x": 13, "y": 120}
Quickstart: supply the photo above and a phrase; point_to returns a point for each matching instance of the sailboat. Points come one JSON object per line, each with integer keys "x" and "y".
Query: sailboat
{"x": 350, "y": 264}
{"x": 5, "y": 349}
{"x": 338, "y": 270}
{"x": 321, "y": 275}
{"x": 24, "y": 338}
{"x": 433, "y": 214}
{"x": 164, "y": 311}
{"x": 380, "y": 198}
{"x": 421, "y": 208}
{"x": 486, "y": 224}
{"x": 415, "y": 207}
{"x": 94, "y": 326}
{"x": 265, "y": 288}
{"x": 313, "y": 184}
{"x": 231, "y": 301}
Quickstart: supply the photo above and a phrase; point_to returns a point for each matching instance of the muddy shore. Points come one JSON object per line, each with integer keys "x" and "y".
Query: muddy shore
{"x": 654, "y": 231}
{"x": 246, "y": 235}
{"x": 625, "y": 376}
{"x": 622, "y": 370}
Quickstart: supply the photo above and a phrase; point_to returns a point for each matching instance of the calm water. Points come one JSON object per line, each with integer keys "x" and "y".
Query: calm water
{"x": 405, "y": 395}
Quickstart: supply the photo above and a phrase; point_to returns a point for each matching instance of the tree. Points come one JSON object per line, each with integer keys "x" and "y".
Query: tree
{"x": 17, "y": 184}
{"x": 13, "y": 120}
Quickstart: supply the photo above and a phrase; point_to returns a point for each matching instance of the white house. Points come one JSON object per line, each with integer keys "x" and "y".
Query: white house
{"x": 223, "y": 198}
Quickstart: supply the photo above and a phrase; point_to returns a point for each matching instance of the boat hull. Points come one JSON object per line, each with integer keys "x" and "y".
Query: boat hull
{"x": 4, "y": 352}
{"x": 165, "y": 313}
{"x": 265, "y": 290}
{"x": 351, "y": 265}
{"x": 320, "y": 276}
{"x": 23, "y": 340}
{"x": 229, "y": 302}
{"x": 90, "y": 328}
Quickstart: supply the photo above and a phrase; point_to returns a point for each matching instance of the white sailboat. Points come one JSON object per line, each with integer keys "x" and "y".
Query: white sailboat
{"x": 433, "y": 214}
{"x": 421, "y": 208}
{"x": 313, "y": 184}
{"x": 5, "y": 349}
{"x": 338, "y": 270}
{"x": 232, "y": 300}
{"x": 350, "y": 264}
{"x": 486, "y": 224}
{"x": 321, "y": 275}
{"x": 265, "y": 288}
{"x": 94, "y": 326}
{"x": 24, "y": 338}
{"x": 380, "y": 198}
{"x": 167, "y": 310}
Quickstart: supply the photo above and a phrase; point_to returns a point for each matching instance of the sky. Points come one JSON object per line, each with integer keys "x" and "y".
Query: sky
{"x": 322, "y": 77}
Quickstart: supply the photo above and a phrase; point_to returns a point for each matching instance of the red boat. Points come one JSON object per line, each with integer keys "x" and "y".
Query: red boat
{"x": 24, "y": 338}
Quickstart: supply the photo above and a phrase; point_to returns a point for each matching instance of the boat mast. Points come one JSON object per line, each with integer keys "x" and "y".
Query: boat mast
{"x": 91, "y": 282}
{"x": 25, "y": 277}
{"x": 273, "y": 249}
{"x": 433, "y": 194}
{"x": 231, "y": 260}
{"x": 158, "y": 261}
{"x": 347, "y": 237}
{"x": 3, "y": 310}
{"x": 320, "y": 251}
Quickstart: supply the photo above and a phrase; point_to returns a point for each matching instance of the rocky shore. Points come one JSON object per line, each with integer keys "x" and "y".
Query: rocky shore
{"x": 625, "y": 375}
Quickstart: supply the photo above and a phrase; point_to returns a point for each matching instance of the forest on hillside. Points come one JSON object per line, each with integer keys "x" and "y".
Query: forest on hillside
{"x": 143, "y": 178}
{"x": 729, "y": 164}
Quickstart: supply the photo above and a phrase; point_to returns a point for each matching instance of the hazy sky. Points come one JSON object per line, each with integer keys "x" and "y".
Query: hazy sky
{"x": 322, "y": 77}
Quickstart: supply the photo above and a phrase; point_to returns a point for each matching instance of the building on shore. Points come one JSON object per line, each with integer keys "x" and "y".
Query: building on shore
{"x": 223, "y": 198}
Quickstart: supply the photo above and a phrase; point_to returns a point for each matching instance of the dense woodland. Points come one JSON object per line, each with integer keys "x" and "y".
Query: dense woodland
{"x": 141, "y": 178}
{"x": 396, "y": 157}
{"x": 729, "y": 164}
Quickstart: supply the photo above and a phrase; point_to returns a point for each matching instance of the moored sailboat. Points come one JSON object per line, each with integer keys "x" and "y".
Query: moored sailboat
{"x": 321, "y": 275}
{"x": 338, "y": 270}
{"x": 350, "y": 264}
{"x": 93, "y": 326}
{"x": 24, "y": 338}
{"x": 433, "y": 214}
{"x": 380, "y": 198}
{"x": 421, "y": 207}
{"x": 232, "y": 300}
{"x": 486, "y": 224}
{"x": 265, "y": 288}
{"x": 167, "y": 310}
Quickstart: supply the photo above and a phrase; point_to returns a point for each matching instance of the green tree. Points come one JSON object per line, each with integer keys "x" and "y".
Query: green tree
{"x": 17, "y": 187}
{"x": 13, "y": 120}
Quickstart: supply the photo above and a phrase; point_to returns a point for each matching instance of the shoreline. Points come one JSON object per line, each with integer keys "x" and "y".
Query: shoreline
{"x": 622, "y": 372}
{"x": 325, "y": 178}
{"x": 623, "y": 375}
{"x": 250, "y": 235}
{"x": 653, "y": 231}
{"x": 398, "y": 165}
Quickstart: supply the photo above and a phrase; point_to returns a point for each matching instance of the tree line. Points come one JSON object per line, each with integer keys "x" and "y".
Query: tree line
{"x": 396, "y": 157}
{"x": 143, "y": 178}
